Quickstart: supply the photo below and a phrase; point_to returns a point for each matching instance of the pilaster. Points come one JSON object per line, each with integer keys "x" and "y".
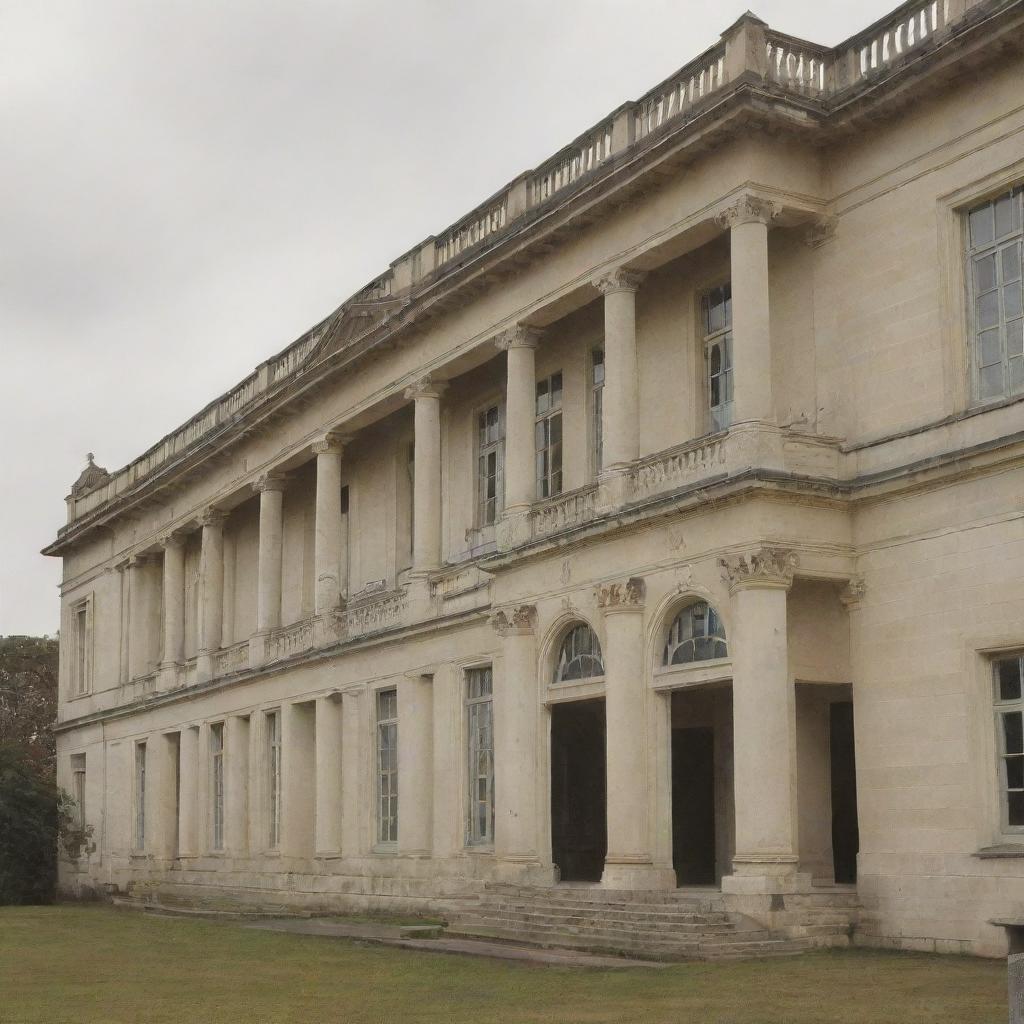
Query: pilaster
{"x": 328, "y": 774}
{"x": 415, "y": 764}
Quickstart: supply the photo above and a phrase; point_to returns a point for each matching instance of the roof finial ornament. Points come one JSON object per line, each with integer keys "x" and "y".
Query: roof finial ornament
{"x": 90, "y": 458}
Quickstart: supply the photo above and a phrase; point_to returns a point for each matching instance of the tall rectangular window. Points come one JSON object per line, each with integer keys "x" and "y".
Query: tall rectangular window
{"x": 217, "y": 786}
{"x": 490, "y": 464}
{"x": 480, "y": 737}
{"x": 548, "y": 436}
{"x": 997, "y": 304}
{"x": 273, "y": 723}
{"x": 80, "y": 634}
{"x": 140, "y": 796}
{"x": 387, "y": 766}
{"x": 1009, "y": 705}
{"x": 597, "y": 409}
{"x": 717, "y": 322}
{"x": 78, "y": 789}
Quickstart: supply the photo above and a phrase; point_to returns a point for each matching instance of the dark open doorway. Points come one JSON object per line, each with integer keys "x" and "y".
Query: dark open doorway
{"x": 579, "y": 835}
{"x": 845, "y": 835}
{"x": 693, "y": 805}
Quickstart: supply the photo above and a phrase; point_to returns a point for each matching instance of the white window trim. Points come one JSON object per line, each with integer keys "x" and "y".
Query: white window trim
{"x": 139, "y": 786}
{"x": 707, "y": 340}
{"x": 217, "y": 787}
{"x": 544, "y": 418}
{"x": 998, "y": 708}
{"x": 470, "y": 840}
{"x": 385, "y": 845}
{"x": 272, "y": 777}
{"x": 594, "y": 415}
{"x": 478, "y": 451}
{"x": 81, "y": 687}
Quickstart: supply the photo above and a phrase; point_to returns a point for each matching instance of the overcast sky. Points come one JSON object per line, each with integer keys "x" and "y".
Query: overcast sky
{"x": 185, "y": 187}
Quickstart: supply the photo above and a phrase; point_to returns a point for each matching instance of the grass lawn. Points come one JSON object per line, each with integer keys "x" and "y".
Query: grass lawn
{"x": 90, "y": 964}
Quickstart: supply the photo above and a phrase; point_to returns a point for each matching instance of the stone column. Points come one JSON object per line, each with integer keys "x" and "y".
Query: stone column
{"x": 415, "y": 765}
{"x": 520, "y": 344}
{"x": 764, "y": 724}
{"x": 298, "y": 767}
{"x": 629, "y": 863}
{"x": 328, "y": 531}
{"x": 516, "y": 711}
{"x": 747, "y": 221}
{"x": 174, "y": 604}
{"x": 328, "y": 774}
{"x": 426, "y": 550}
{"x": 268, "y": 588}
{"x": 236, "y": 785}
{"x": 620, "y": 427}
{"x": 188, "y": 792}
{"x": 211, "y": 591}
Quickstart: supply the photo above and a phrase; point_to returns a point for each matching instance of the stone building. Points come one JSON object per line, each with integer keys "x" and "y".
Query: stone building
{"x": 569, "y": 550}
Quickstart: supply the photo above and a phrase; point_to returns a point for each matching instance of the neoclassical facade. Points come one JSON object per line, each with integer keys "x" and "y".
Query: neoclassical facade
{"x": 657, "y": 526}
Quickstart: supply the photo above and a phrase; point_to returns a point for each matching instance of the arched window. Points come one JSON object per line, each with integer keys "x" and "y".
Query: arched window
{"x": 579, "y": 657}
{"x": 697, "y": 634}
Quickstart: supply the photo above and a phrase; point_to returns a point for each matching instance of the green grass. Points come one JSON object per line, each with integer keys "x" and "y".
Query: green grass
{"x": 90, "y": 964}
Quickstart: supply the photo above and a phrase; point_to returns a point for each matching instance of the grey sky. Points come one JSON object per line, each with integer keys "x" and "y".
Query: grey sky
{"x": 186, "y": 186}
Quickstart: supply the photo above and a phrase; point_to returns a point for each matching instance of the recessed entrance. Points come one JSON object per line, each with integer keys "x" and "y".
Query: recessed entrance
{"x": 579, "y": 834}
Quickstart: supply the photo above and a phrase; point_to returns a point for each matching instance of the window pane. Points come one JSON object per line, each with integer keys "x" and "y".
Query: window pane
{"x": 1013, "y": 733}
{"x": 1015, "y": 772}
{"x": 1015, "y": 809}
{"x": 989, "y": 348}
{"x": 1009, "y": 673}
{"x": 982, "y": 226}
{"x": 556, "y": 390}
{"x": 1004, "y": 220}
{"x": 1016, "y": 375}
{"x": 985, "y": 274}
{"x": 1014, "y": 334}
{"x": 987, "y": 310}
{"x": 991, "y": 385}
{"x": 1012, "y": 300}
{"x": 543, "y": 400}
{"x": 1011, "y": 262}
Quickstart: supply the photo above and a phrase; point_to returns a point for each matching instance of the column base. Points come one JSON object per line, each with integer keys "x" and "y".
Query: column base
{"x": 622, "y": 873}
{"x": 257, "y": 649}
{"x": 755, "y": 874}
{"x": 613, "y": 489}
{"x": 168, "y": 679}
{"x": 204, "y": 667}
{"x": 421, "y": 603}
{"x": 753, "y": 444}
{"x": 326, "y": 629}
{"x": 525, "y": 869}
{"x": 514, "y": 529}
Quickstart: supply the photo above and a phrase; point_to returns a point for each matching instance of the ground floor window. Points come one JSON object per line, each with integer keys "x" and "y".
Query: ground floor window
{"x": 387, "y": 766}
{"x": 1009, "y": 704}
{"x": 274, "y": 779}
{"x": 78, "y": 789}
{"x": 140, "y": 796}
{"x": 480, "y": 736}
{"x": 217, "y": 786}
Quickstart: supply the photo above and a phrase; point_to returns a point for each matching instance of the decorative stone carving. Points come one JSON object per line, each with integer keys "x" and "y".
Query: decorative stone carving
{"x": 174, "y": 539}
{"x": 853, "y": 593}
{"x": 749, "y": 209}
{"x": 330, "y": 444}
{"x": 90, "y": 478}
{"x": 821, "y": 230}
{"x": 622, "y": 596}
{"x": 520, "y": 336}
{"x": 213, "y": 516}
{"x": 515, "y": 621}
{"x": 767, "y": 566}
{"x": 619, "y": 280}
{"x": 426, "y": 387}
{"x": 270, "y": 482}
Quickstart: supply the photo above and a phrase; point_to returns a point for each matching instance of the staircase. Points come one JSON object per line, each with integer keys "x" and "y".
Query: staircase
{"x": 651, "y": 925}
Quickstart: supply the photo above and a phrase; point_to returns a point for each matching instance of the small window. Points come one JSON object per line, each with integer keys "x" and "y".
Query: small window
{"x": 217, "y": 786}
{"x": 387, "y": 766}
{"x": 78, "y": 789}
{"x": 996, "y": 301}
{"x": 579, "y": 657}
{"x": 140, "y": 796}
{"x": 480, "y": 736}
{"x": 81, "y": 633}
{"x": 696, "y": 634}
{"x": 717, "y": 316}
{"x": 1009, "y": 705}
{"x": 273, "y": 722}
{"x": 548, "y": 436}
{"x": 490, "y": 472}
{"x": 597, "y": 409}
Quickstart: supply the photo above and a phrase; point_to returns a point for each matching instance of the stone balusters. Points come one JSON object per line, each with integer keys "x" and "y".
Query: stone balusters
{"x": 211, "y": 580}
{"x": 764, "y": 723}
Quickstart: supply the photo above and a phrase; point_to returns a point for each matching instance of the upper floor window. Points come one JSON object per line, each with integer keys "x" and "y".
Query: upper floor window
{"x": 579, "y": 657}
{"x": 548, "y": 436}
{"x": 490, "y": 463}
{"x": 81, "y": 636}
{"x": 597, "y": 409}
{"x": 140, "y": 796}
{"x": 696, "y": 634}
{"x": 273, "y": 723}
{"x": 1009, "y": 705}
{"x": 996, "y": 301}
{"x": 217, "y": 786}
{"x": 480, "y": 742}
{"x": 387, "y": 766}
{"x": 717, "y": 323}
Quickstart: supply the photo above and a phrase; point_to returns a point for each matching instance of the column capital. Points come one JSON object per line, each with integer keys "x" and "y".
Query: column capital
{"x": 853, "y": 593}
{"x": 212, "y": 516}
{"x": 519, "y": 620}
{"x": 331, "y": 443}
{"x": 141, "y": 560}
{"x": 766, "y": 567}
{"x": 618, "y": 280}
{"x": 173, "y": 540}
{"x": 519, "y": 336}
{"x": 748, "y": 209}
{"x": 269, "y": 482}
{"x": 426, "y": 387}
{"x": 622, "y": 596}
{"x": 821, "y": 230}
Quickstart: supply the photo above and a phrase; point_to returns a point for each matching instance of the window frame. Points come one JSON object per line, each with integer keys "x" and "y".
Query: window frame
{"x": 543, "y": 422}
{"x": 717, "y": 422}
{"x": 971, "y": 256}
{"x": 595, "y": 390}
{"x": 273, "y": 748}
{"x": 480, "y": 450}
{"x": 79, "y": 781}
{"x": 668, "y": 656}
{"x": 1003, "y": 708}
{"x": 386, "y": 825}
{"x": 216, "y": 749}
{"x": 474, "y": 706}
{"x": 81, "y": 659}
{"x": 557, "y": 679}
{"x": 139, "y": 798}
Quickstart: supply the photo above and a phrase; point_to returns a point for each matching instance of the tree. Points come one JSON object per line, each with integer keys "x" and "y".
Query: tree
{"x": 28, "y": 697}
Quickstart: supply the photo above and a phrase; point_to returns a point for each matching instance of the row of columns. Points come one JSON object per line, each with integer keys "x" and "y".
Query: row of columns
{"x": 764, "y": 717}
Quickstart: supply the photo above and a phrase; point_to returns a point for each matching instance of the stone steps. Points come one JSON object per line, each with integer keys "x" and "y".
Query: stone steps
{"x": 636, "y": 922}
{"x": 681, "y": 919}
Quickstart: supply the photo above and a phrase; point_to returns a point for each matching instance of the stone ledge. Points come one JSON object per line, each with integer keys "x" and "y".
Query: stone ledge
{"x": 1004, "y": 851}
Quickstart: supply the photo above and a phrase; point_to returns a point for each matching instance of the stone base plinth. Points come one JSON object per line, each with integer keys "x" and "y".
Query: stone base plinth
{"x": 636, "y": 876}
